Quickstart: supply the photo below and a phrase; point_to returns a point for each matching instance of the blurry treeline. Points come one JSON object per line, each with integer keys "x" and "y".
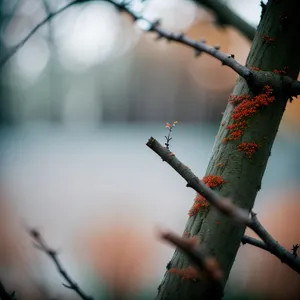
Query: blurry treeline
{"x": 92, "y": 65}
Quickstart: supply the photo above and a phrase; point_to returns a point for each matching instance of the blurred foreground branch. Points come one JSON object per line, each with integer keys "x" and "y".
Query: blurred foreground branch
{"x": 199, "y": 257}
{"x": 41, "y": 245}
{"x": 14, "y": 49}
{"x": 4, "y": 294}
{"x": 226, "y": 16}
{"x": 227, "y": 207}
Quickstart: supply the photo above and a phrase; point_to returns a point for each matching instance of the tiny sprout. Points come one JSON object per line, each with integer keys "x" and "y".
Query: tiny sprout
{"x": 168, "y": 138}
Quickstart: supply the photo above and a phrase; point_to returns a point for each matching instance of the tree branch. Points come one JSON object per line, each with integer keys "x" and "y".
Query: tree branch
{"x": 225, "y": 206}
{"x": 260, "y": 79}
{"x": 198, "y": 46}
{"x": 273, "y": 246}
{"x": 199, "y": 257}
{"x": 226, "y": 16}
{"x": 41, "y": 245}
{"x": 254, "y": 242}
{"x": 222, "y": 204}
{"x": 11, "y": 15}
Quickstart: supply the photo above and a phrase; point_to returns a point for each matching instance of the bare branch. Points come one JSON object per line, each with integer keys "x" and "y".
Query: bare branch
{"x": 226, "y": 16}
{"x": 198, "y": 46}
{"x": 199, "y": 257}
{"x": 225, "y": 206}
{"x": 41, "y": 245}
{"x": 221, "y": 203}
{"x": 291, "y": 87}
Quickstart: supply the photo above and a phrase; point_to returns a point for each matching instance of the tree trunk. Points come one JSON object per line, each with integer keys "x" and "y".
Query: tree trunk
{"x": 275, "y": 47}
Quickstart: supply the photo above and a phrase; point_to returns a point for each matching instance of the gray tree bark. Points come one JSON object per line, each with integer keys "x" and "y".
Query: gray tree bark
{"x": 275, "y": 47}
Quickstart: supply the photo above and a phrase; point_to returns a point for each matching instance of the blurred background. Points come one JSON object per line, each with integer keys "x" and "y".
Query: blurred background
{"x": 78, "y": 102}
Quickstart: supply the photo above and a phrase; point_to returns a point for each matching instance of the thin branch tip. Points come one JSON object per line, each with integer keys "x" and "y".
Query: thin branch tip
{"x": 41, "y": 245}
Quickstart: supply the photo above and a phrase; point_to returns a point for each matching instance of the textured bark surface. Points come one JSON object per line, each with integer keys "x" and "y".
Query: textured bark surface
{"x": 243, "y": 175}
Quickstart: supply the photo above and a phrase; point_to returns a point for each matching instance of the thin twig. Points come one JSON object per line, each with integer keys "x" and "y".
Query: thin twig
{"x": 41, "y": 245}
{"x": 34, "y": 30}
{"x": 292, "y": 87}
{"x": 223, "y": 204}
{"x": 198, "y": 46}
{"x": 226, "y": 206}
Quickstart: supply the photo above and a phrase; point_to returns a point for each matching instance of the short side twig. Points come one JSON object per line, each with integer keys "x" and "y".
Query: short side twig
{"x": 221, "y": 203}
{"x": 273, "y": 246}
{"x": 254, "y": 242}
{"x": 41, "y": 245}
{"x": 225, "y": 206}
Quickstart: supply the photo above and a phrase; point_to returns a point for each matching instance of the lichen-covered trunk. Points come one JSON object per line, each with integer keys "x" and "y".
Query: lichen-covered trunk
{"x": 241, "y": 152}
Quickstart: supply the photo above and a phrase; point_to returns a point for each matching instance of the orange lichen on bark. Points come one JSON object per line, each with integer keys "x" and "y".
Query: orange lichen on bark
{"x": 249, "y": 107}
{"x": 268, "y": 39}
{"x": 248, "y": 148}
{"x": 255, "y": 68}
{"x": 211, "y": 181}
{"x": 234, "y": 99}
{"x": 245, "y": 108}
{"x": 281, "y": 72}
{"x": 190, "y": 273}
